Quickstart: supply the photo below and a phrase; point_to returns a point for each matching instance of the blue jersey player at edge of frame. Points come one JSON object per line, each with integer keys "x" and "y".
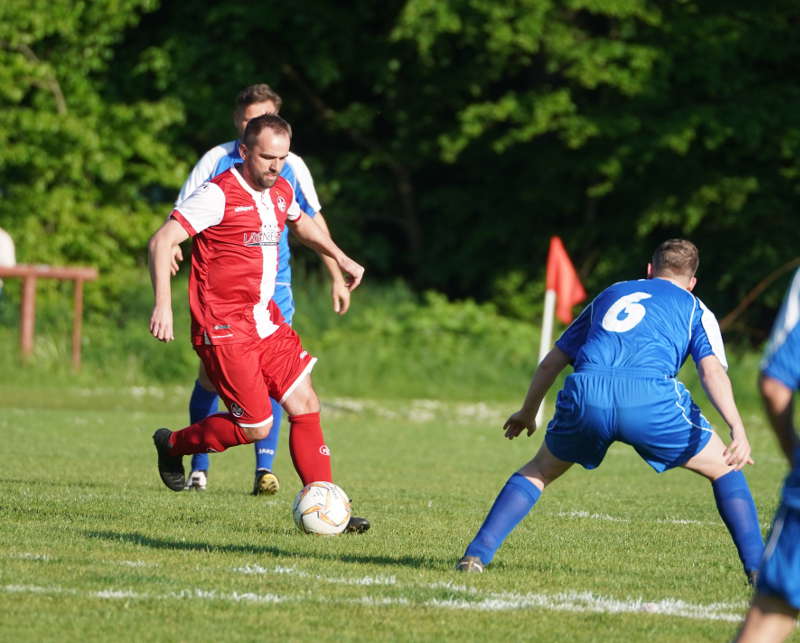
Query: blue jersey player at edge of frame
{"x": 627, "y": 347}
{"x": 773, "y": 612}
{"x": 251, "y": 102}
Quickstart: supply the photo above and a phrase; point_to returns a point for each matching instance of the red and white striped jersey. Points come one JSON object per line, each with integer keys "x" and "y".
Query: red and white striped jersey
{"x": 236, "y": 232}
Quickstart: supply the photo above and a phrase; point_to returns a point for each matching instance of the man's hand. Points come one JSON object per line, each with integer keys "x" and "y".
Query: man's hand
{"x": 519, "y": 421}
{"x": 353, "y": 273}
{"x": 177, "y": 257}
{"x": 340, "y": 294}
{"x": 737, "y": 453}
{"x": 161, "y": 323}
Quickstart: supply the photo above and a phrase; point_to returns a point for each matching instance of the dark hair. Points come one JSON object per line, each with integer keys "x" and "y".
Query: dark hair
{"x": 256, "y": 125}
{"x": 253, "y": 94}
{"x": 677, "y": 257}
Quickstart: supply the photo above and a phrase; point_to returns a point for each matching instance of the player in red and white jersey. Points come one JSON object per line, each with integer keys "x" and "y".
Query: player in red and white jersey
{"x": 249, "y": 352}
{"x": 235, "y": 261}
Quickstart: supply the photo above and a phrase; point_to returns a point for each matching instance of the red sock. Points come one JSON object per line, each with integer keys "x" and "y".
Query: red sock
{"x": 310, "y": 454}
{"x": 210, "y": 435}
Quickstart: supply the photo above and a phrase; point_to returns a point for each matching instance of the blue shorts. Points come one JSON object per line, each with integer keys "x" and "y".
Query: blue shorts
{"x": 653, "y": 413}
{"x": 284, "y": 299}
{"x": 779, "y": 574}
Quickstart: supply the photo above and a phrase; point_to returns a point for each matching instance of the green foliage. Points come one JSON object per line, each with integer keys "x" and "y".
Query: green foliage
{"x": 434, "y": 348}
{"x": 625, "y": 123}
{"x": 390, "y": 343}
{"x": 519, "y": 297}
{"x": 449, "y": 140}
{"x": 79, "y": 161}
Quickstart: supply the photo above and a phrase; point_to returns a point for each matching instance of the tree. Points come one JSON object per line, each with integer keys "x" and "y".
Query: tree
{"x": 629, "y": 121}
{"x": 82, "y": 167}
{"x": 449, "y": 138}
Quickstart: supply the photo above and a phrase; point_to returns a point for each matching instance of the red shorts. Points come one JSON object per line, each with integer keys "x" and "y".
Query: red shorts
{"x": 247, "y": 374}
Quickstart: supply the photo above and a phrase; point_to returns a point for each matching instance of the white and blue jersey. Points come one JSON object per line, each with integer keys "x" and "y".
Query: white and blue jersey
{"x": 782, "y": 362}
{"x": 780, "y": 569}
{"x": 627, "y": 346}
{"x": 296, "y": 172}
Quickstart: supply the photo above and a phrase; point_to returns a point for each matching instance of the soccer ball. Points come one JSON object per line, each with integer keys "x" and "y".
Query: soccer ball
{"x": 321, "y": 508}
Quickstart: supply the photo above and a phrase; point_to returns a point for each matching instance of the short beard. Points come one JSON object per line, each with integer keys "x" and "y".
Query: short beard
{"x": 266, "y": 184}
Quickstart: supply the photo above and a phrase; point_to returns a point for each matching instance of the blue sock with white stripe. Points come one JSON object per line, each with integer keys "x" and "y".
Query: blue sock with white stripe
{"x": 202, "y": 403}
{"x": 266, "y": 448}
{"x": 513, "y": 503}
{"x": 738, "y": 511}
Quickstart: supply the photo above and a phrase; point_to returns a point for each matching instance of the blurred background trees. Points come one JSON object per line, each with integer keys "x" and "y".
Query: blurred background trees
{"x": 448, "y": 138}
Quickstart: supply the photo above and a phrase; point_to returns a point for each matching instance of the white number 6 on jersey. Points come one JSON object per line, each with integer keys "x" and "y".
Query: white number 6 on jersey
{"x": 634, "y": 313}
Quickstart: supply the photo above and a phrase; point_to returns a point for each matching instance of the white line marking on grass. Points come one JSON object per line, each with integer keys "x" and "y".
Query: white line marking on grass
{"x": 372, "y": 601}
{"x": 25, "y": 555}
{"x": 498, "y": 601}
{"x": 686, "y": 521}
{"x": 236, "y": 597}
{"x": 134, "y": 563}
{"x": 184, "y": 594}
{"x": 114, "y": 593}
{"x": 589, "y": 602}
{"x": 586, "y": 514}
{"x": 662, "y": 521}
{"x": 489, "y": 601}
{"x": 420, "y": 410}
{"x": 31, "y": 589}
{"x": 292, "y": 571}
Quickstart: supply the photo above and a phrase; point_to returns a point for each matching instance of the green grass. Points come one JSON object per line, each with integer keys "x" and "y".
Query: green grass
{"x": 93, "y": 547}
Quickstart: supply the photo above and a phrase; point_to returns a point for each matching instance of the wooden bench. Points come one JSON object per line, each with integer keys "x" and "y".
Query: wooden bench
{"x": 29, "y": 274}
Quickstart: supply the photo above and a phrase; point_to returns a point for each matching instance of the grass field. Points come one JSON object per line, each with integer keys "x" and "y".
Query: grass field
{"x": 94, "y": 548}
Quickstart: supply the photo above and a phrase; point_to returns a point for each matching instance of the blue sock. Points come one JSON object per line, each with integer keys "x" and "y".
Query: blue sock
{"x": 513, "y": 503}
{"x": 202, "y": 404}
{"x": 738, "y": 511}
{"x": 266, "y": 448}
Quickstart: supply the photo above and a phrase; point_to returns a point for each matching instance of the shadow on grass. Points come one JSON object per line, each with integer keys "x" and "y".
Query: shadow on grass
{"x": 160, "y": 543}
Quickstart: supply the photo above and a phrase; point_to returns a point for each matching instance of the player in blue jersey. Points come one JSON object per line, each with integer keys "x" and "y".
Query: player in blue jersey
{"x": 775, "y": 606}
{"x": 626, "y": 348}
{"x": 253, "y": 101}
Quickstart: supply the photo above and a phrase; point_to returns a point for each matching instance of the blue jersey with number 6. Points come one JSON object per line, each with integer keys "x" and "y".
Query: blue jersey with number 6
{"x": 648, "y": 324}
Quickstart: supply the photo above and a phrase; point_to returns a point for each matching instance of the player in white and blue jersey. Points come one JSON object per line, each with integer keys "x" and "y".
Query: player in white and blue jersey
{"x": 251, "y": 102}
{"x": 627, "y": 347}
{"x": 775, "y": 606}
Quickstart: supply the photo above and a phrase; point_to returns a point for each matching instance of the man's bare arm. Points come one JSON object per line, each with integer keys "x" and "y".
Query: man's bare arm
{"x": 311, "y": 235}
{"x": 161, "y": 252}
{"x": 779, "y": 403}
{"x": 546, "y": 373}
{"x": 340, "y": 294}
{"x": 718, "y": 388}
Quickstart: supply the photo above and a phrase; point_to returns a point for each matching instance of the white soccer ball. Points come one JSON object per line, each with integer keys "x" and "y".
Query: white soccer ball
{"x": 321, "y": 508}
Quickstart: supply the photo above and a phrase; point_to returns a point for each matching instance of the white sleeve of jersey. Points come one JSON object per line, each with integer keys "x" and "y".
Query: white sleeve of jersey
{"x": 788, "y": 317}
{"x": 294, "y": 212}
{"x": 204, "y": 208}
{"x": 8, "y": 256}
{"x": 203, "y": 170}
{"x": 304, "y": 181}
{"x": 714, "y": 334}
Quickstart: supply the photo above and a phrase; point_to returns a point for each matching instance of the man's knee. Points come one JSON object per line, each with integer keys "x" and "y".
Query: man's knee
{"x": 710, "y": 461}
{"x": 255, "y": 433}
{"x": 303, "y": 399}
{"x": 544, "y": 468}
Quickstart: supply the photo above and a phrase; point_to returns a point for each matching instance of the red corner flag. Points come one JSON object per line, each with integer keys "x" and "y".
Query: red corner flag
{"x": 563, "y": 280}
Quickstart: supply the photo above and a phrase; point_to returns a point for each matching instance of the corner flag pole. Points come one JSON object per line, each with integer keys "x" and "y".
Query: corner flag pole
{"x": 546, "y": 338}
{"x": 563, "y": 290}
